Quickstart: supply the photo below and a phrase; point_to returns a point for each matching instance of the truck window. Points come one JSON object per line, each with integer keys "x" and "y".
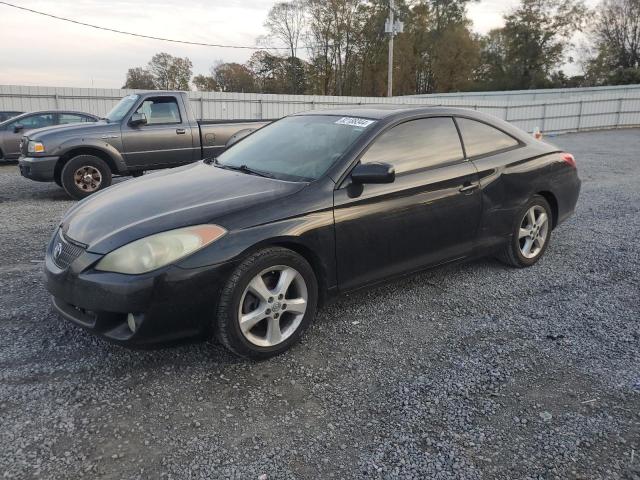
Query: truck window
{"x": 160, "y": 110}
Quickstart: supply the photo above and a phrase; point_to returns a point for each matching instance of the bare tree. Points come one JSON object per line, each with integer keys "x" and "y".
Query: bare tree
{"x": 617, "y": 33}
{"x": 286, "y": 22}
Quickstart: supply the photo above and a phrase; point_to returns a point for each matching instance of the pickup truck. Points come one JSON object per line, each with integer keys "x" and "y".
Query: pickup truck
{"x": 144, "y": 131}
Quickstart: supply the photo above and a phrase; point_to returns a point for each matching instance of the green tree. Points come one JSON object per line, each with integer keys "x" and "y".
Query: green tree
{"x": 616, "y": 36}
{"x": 139, "y": 78}
{"x": 205, "y": 83}
{"x": 234, "y": 77}
{"x": 535, "y": 41}
{"x": 169, "y": 72}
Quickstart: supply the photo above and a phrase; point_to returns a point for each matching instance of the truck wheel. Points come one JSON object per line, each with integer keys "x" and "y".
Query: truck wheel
{"x": 56, "y": 177}
{"x": 85, "y": 174}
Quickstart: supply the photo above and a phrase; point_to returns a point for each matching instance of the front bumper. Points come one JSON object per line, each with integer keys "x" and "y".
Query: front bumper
{"x": 40, "y": 169}
{"x": 169, "y": 305}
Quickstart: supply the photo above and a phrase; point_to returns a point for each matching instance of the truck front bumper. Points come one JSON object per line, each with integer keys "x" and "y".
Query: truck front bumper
{"x": 40, "y": 169}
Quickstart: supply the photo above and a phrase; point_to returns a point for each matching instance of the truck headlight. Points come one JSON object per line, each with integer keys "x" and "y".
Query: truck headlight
{"x": 155, "y": 251}
{"x": 35, "y": 147}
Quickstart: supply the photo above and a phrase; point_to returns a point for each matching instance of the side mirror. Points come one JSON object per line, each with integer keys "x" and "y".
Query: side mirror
{"x": 373, "y": 173}
{"x": 138, "y": 119}
{"x": 18, "y": 128}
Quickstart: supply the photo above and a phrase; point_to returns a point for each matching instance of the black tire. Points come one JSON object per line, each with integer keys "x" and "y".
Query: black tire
{"x": 227, "y": 323}
{"x": 56, "y": 178}
{"x": 512, "y": 254}
{"x": 90, "y": 162}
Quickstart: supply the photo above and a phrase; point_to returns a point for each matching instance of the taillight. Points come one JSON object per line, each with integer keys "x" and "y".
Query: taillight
{"x": 569, "y": 160}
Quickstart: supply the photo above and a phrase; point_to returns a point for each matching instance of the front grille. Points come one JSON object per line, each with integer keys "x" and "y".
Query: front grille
{"x": 64, "y": 251}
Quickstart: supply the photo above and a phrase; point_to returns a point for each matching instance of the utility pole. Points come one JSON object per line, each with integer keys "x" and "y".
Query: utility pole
{"x": 392, "y": 27}
{"x": 391, "y": 35}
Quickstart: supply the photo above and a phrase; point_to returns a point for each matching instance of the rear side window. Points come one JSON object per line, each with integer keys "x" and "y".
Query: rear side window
{"x": 482, "y": 139}
{"x": 73, "y": 118}
{"x": 160, "y": 110}
{"x": 417, "y": 144}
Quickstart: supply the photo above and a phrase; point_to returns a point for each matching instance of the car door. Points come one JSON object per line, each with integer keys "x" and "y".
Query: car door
{"x": 428, "y": 215}
{"x": 166, "y": 138}
{"x": 490, "y": 150}
{"x": 28, "y": 122}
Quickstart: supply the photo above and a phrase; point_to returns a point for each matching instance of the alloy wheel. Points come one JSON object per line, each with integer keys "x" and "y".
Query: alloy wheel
{"x": 272, "y": 306}
{"x": 533, "y": 232}
{"x": 87, "y": 178}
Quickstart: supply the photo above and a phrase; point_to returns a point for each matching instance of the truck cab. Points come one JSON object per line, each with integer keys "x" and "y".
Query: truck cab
{"x": 144, "y": 131}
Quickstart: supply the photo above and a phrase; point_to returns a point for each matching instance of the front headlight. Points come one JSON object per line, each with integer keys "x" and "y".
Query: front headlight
{"x": 35, "y": 147}
{"x": 158, "y": 250}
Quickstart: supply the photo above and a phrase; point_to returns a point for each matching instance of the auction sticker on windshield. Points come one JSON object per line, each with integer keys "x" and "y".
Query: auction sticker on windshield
{"x": 355, "y": 122}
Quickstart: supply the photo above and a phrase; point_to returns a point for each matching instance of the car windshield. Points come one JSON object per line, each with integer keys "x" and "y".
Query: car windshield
{"x": 118, "y": 112}
{"x": 298, "y": 148}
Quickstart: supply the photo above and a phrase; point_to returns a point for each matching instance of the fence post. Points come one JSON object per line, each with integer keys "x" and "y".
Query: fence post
{"x": 56, "y": 101}
{"x": 580, "y": 115}
{"x": 201, "y": 107}
{"x": 260, "y": 109}
{"x": 619, "y": 115}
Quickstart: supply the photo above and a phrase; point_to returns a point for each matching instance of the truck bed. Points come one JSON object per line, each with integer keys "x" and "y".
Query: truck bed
{"x": 215, "y": 134}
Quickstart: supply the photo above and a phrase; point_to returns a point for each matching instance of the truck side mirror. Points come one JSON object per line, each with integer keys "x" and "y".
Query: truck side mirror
{"x": 18, "y": 128}
{"x": 138, "y": 119}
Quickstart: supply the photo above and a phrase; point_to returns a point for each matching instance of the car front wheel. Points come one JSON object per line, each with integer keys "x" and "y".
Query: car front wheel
{"x": 531, "y": 234}
{"x": 267, "y": 304}
{"x": 83, "y": 175}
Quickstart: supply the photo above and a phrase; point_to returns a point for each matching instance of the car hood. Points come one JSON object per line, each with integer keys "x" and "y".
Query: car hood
{"x": 42, "y": 134}
{"x": 191, "y": 195}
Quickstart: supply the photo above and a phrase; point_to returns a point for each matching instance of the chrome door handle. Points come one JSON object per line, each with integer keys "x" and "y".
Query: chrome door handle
{"x": 469, "y": 188}
{"x": 181, "y": 131}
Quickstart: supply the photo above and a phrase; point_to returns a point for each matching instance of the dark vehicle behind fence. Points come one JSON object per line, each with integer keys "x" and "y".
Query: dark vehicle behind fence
{"x": 310, "y": 206}
{"x": 144, "y": 131}
{"x": 12, "y": 130}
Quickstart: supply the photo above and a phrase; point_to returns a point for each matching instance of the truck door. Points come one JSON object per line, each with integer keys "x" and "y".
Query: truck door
{"x": 165, "y": 140}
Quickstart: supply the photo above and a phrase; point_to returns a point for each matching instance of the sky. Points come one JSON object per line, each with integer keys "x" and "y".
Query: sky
{"x": 35, "y": 50}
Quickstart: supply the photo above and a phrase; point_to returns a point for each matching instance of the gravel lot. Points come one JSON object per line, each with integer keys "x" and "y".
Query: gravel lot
{"x": 471, "y": 371}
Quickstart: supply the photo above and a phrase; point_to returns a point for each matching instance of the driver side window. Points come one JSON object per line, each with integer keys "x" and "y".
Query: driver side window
{"x": 417, "y": 144}
{"x": 160, "y": 110}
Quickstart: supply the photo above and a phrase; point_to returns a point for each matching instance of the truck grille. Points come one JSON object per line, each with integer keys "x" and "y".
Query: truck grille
{"x": 64, "y": 251}
{"x": 24, "y": 146}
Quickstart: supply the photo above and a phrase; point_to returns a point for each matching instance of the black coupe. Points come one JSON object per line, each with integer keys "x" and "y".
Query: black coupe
{"x": 246, "y": 246}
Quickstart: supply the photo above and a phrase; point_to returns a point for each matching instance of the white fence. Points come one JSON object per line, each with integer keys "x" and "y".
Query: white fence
{"x": 553, "y": 111}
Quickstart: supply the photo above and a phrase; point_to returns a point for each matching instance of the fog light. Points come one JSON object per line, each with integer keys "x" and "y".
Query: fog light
{"x": 132, "y": 322}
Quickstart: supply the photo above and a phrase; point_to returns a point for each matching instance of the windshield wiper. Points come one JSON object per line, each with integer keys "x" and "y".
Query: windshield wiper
{"x": 241, "y": 168}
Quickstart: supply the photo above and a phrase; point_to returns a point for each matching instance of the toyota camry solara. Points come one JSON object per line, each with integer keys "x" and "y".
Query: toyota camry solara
{"x": 246, "y": 246}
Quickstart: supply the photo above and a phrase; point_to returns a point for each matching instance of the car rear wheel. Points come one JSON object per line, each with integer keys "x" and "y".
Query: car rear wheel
{"x": 531, "y": 234}
{"x": 83, "y": 175}
{"x": 267, "y": 304}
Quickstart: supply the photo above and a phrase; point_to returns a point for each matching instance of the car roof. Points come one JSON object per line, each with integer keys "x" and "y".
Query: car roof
{"x": 39, "y": 112}
{"x": 382, "y": 111}
{"x": 392, "y": 113}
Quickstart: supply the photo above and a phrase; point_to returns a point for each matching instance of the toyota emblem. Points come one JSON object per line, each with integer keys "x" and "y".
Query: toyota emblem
{"x": 57, "y": 250}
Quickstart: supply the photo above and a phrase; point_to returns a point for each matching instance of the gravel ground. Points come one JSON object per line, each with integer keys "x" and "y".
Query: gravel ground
{"x": 467, "y": 372}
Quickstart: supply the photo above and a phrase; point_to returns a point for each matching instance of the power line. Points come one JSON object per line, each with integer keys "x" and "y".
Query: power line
{"x": 184, "y": 42}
